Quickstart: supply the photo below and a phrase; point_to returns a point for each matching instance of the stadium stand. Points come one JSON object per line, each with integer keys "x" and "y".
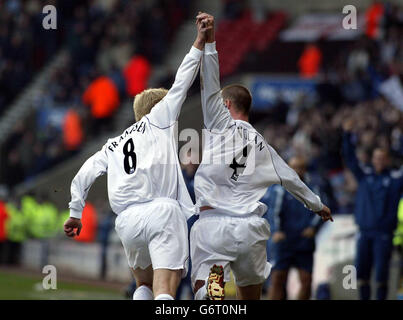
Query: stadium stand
{"x": 248, "y": 35}
{"x": 88, "y": 56}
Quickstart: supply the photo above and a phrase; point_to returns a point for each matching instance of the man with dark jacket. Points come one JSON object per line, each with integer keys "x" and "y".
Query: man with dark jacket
{"x": 293, "y": 241}
{"x": 377, "y": 198}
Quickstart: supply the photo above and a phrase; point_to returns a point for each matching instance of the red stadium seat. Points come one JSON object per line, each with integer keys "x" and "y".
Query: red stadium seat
{"x": 247, "y": 35}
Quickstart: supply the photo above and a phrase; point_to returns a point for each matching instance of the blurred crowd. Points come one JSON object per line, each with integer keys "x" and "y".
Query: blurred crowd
{"x": 34, "y": 216}
{"x": 31, "y": 217}
{"x": 25, "y": 46}
{"x": 110, "y": 47}
{"x": 350, "y": 137}
{"x": 348, "y": 87}
{"x": 317, "y": 134}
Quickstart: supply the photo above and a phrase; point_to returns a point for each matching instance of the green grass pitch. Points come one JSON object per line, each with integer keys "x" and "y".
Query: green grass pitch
{"x": 17, "y": 286}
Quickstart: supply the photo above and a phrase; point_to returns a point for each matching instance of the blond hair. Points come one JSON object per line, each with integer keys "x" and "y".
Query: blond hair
{"x": 145, "y": 101}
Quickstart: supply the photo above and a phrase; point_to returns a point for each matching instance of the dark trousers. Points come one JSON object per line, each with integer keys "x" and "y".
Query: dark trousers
{"x": 3, "y": 248}
{"x": 10, "y": 252}
{"x": 374, "y": 250}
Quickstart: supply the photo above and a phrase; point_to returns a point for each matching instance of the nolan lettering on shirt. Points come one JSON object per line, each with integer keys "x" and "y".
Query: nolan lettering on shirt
{"x": 137, "y": 127}
{"x": 249, "y": 135}
{"x": 260, "y": 143}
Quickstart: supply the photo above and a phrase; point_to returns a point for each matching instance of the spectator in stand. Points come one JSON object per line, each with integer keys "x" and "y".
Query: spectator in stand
{"x": 233, "y": 8}
{"x": 47, "y": 219}
{"x": 376, "y": 121}
{"x": 15, "y": 171}
{"x": 88, "y": 233}
{"x": 72, "y": 130}
{"x": 188, "y": 171}
{"x": 102, "y": 97}
{"x": 16, "y": 229}
{"x": 137, "y": 73}
{"x": 398, "y": 238}
{"x": 100, "y": 38}
{"x": 24, "y": 45}
{"x": 106, "y": 225}
{"x": 377, "y": 199}
{"x": 3, "y": 222}
{"x": 373, "y": 17}
{"x": 310, "y": 61}
{"x": 156, "y": 30}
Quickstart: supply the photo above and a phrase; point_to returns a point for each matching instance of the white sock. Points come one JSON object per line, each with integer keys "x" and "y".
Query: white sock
{"x": 164, "y": 296}
{"x": 143, "y": 293}
{"x": 201, "y": 293}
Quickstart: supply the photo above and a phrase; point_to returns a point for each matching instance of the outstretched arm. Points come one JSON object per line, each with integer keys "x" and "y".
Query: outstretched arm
{"x": 81, "y": 184}
{"x": 167, "y": 111}
{"x": 290, "y": 180}
{"x": 350, "y": 157}
{"x": 276, "y": 198}
{"x": 215, "y": 114}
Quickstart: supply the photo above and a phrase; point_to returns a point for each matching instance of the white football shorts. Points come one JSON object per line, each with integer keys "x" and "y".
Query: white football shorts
{"x": 155, "y": 233}
{"x": 237, "y": 243}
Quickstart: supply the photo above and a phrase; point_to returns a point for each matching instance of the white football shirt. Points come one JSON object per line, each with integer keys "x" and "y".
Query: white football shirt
{"x": 142, "y": 163}
{"x": 238, "y": 165}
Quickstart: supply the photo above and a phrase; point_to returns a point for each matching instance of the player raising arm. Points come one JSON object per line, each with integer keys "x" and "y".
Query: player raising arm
{"x": 230, "y": 233}
{"x": 146, "y": 188}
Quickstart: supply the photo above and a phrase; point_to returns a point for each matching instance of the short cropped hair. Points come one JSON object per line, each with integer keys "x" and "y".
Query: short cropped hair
{"x": 240, "y": 97}
{"x": 145, "y": 101}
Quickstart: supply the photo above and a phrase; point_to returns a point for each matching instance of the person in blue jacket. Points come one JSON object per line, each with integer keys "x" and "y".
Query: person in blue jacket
{"x": 293, "y": 242}
{"x": 188, "y": 172}
{"x": 376, "y": 203}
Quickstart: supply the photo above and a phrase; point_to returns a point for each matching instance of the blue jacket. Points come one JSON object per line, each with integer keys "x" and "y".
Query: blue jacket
{"x": 377, "y": 196}
{"x": 288, "y": 215}
{"x": 189, "y": 181}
